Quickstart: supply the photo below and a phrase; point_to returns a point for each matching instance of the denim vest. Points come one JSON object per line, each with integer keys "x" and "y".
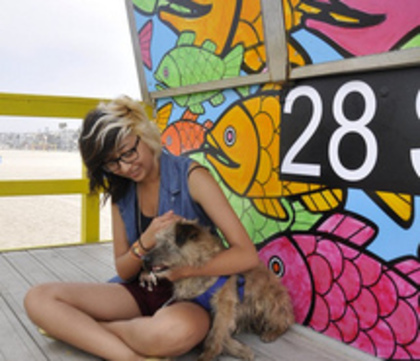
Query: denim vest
{"x": 173, "y": 195}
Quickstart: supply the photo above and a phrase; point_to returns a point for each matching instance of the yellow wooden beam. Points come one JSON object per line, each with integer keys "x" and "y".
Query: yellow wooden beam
{"x": 46, "y": 106}
{"x": 59, "y": 107}
{"x": 27, "y": 105}
{"x": 43, "y": 187}
{"x": 90, "y": 231}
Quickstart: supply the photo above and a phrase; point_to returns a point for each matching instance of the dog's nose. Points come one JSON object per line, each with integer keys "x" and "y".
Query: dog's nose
{"x": 147, "y": 262}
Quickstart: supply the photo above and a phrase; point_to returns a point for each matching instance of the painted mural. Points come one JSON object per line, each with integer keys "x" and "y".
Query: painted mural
{"x": 200, "y": 41}
{"x": 349, "y": 256}
{"x": 325, "y": 30}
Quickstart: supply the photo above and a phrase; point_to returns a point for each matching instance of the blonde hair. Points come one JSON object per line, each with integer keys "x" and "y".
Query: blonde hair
{"x": 125, "y": 115}
{"x": 102, "y": 132}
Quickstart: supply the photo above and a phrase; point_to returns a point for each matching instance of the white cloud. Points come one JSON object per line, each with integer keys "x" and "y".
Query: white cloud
{"x": 66, "y": 47}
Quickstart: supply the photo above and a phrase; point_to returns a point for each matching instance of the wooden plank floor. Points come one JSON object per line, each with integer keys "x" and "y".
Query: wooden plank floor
{"x": 20, "y": 340}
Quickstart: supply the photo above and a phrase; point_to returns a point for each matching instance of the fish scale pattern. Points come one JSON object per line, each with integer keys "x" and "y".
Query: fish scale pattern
{"x": 348, "y": 293}
{"x": 207, "y": 66}
{"x": 249, "y": 161}
{"x": 373, "y": 314}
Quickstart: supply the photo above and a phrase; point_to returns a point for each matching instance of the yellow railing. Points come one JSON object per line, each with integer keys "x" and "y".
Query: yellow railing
{"x": 60, "y": 107}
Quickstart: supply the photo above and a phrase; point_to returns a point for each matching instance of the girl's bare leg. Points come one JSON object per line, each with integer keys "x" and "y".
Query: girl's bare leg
{"x": 72, "y": 313}
{"x": 172, "y": 331}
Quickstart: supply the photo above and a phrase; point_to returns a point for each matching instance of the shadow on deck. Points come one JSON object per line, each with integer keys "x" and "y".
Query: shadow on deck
{"x": 20, "y": 340}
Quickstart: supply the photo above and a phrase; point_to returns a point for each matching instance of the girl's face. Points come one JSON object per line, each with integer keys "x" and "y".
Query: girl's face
{"x": 133, "y": 159}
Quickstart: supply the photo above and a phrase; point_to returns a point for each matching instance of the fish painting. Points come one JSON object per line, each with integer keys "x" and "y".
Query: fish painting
{"x": 149, "y": 7}
{"x": 224, "y": 23}
{"x": 398, "y": 206}
{"x": 145, "y": 38}
{"x": 248, "y": 28}
{"x": 184, "y": 136}
{"x": 292, "y": 19}
{"x": 344, "y": 291}
{"x": 208, "y": 19}
{"x": 361, "y": 27}
{"x": 188, "y": 64}
{"x": 163, "y": 114}
{"x": 243, "y": 147}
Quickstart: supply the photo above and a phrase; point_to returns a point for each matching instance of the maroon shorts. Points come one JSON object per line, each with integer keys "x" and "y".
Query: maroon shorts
{"x": 150, "y": 301}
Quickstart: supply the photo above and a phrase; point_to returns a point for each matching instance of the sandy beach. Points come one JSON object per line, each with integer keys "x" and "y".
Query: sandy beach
{"x": 42, "y": 220}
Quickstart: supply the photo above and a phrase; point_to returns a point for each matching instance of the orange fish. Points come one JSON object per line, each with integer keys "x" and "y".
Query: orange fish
{"x": 243, "y": 146}
{"x": 224, "y": 23}
{"x": 184, "y": 136}
{"x": 246, "y": 155}
{"x": 208, "y": 19}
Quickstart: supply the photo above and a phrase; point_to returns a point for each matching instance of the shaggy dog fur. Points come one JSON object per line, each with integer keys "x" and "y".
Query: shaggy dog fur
{"x": 266, "y": 308}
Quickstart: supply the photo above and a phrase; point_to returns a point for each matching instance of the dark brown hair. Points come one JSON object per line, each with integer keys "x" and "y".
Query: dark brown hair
{"x": 103, "y": 130}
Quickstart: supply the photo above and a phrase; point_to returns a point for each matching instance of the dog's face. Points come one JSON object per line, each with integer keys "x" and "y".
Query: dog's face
{"x": 185, "y": 243}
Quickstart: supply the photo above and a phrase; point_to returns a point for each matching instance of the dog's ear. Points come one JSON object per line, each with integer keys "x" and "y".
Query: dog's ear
{"x": 185, "y": 232}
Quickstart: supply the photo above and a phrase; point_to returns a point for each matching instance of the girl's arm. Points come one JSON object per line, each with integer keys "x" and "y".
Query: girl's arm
{"x": 126, "y": 263}
{"x": 241, "y": 254}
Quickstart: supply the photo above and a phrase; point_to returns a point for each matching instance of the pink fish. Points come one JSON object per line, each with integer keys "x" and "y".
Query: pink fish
{"x": 363, "y": 27}
{"x": 344, "y": 291}
{"x": 145, "y": 39}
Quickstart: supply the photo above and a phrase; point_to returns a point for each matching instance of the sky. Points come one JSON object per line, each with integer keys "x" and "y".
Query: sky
{"x": 64, "y": 47}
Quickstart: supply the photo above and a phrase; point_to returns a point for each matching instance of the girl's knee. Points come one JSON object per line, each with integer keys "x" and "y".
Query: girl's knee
{"x": 183, "y": 329}
{"x": 37, "y": 298}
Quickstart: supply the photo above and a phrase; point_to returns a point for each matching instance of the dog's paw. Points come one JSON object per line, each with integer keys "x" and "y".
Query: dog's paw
{"x": 204, "y": 357}
{"x": 250, "y": 357}
{"x": 269, "y": 336}
{"x": 148, "y": 279}
{"x": 210, "y": 354}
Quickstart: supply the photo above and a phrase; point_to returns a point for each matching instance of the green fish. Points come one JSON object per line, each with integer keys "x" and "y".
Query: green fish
{"x": 150, "y": 7}
{"x": 185, "y": 8}
{"x": 188, "y": 64}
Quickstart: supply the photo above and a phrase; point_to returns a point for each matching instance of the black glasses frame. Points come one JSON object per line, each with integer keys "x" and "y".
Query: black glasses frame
{"x": 128, "y": 157}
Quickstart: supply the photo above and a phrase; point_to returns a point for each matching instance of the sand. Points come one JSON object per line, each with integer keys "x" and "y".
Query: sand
{"x": 42, "y": 220}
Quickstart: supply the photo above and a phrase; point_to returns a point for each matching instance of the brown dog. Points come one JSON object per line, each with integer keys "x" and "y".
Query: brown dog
{"x": 254, "y": 301}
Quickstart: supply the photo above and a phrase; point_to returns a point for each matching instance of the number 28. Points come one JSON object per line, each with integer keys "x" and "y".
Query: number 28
{"x": 346, "y": 126}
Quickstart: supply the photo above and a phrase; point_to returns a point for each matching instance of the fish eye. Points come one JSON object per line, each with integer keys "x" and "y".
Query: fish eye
{"x": 165, "y": 72}
{"x": 276, "y": 265}
{"x": 169, "y": 140}
{"x": 230, "y": 136}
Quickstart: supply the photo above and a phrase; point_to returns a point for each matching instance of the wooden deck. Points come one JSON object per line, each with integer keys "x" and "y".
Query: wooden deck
{"x": 20, "y": 340}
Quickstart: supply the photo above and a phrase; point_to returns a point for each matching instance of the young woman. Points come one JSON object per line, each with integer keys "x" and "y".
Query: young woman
{"x": 149, "y": 190}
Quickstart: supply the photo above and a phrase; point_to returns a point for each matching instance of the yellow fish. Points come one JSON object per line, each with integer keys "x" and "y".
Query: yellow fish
{"x": 398, "y": 206}
{"x": 243, "y": 147}
{"x": 163, "y": 115}
{"x": 292, "y": 19}
{"x": 208, "y": 20}
{"x": 225, "y": 23}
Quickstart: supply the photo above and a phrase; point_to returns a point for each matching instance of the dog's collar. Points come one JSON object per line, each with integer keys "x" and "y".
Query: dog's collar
{"x": 204, "y": 299}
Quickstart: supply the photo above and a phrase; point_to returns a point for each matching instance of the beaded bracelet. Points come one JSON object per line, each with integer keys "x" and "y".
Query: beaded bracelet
{"x": 135, "y": 251}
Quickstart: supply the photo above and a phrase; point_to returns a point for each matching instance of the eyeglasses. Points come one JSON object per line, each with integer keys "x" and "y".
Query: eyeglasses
{"x": 127, "y": 157}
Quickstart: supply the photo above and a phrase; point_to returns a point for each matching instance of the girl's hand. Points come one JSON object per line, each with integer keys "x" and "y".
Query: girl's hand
{"x": 175, "y": 274}
{"x": 150, "y": 279}
{"x": 148, "y": 240}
